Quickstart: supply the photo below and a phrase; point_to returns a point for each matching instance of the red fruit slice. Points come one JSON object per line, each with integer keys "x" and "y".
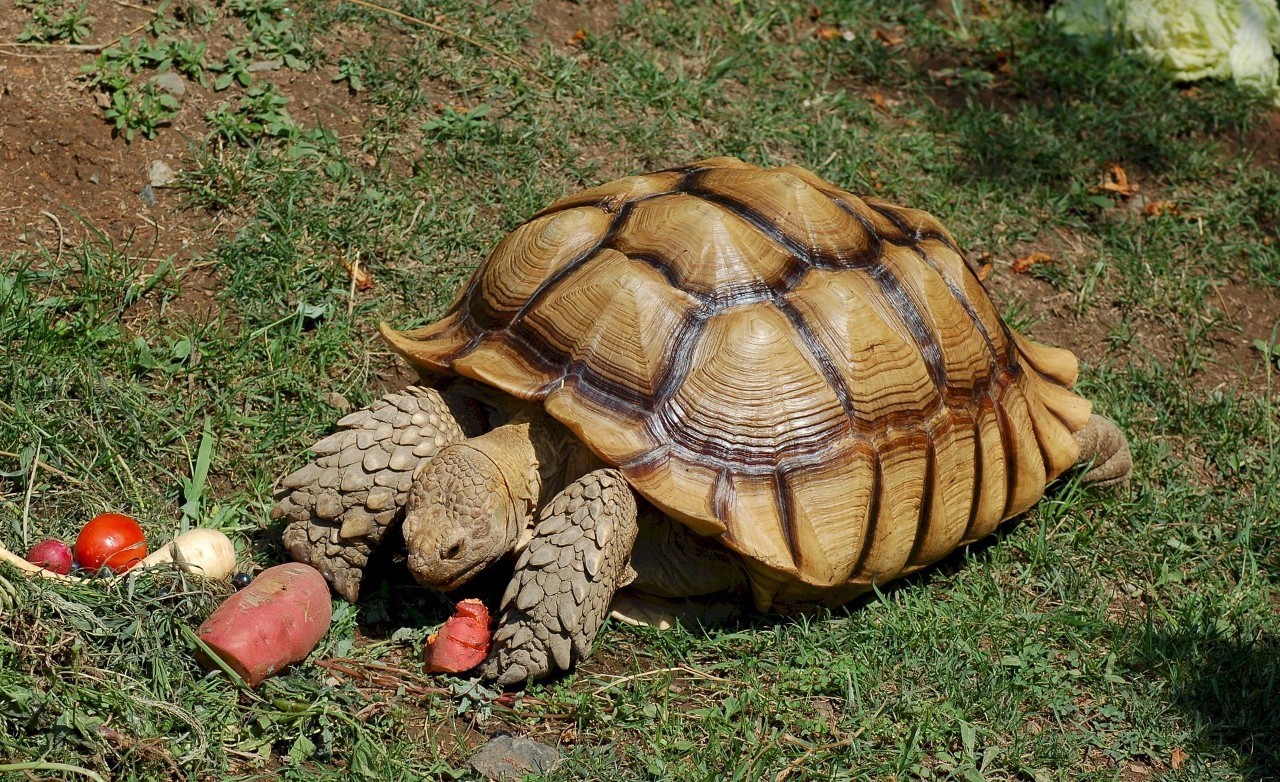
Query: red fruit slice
{"x": 462, "y": 643}
{"x": 275, "y": 621}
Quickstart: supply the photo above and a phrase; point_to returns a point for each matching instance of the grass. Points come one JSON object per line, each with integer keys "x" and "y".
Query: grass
{"x": 1096, "y": 638}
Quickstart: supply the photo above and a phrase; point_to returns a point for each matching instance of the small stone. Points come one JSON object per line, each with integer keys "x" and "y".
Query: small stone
{"x": 161, "y": 175}
{"x": 336, "y": 401}
{"x": 147, "y": 195}
{"x": 264, "y": 65}
{"x": 94, "y": 178}
{"x": 506, "y": 758}
{"x": 171, "y": 83}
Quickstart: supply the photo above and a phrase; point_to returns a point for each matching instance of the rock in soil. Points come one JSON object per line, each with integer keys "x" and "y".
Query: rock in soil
{"x": 161, "y": 174}
{"x": 507, "y": 758}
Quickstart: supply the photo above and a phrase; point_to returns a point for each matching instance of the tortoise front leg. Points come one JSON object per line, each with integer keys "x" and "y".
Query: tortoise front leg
{"x": 339, "y": 507}
{"x": 565, "y": 579}
{"x": 1103, "y": 444}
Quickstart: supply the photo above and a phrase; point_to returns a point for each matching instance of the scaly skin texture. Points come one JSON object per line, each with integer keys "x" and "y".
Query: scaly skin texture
{"x": 565, "y": 579}
{"x": 671, "y": 560}
{"x": 1103, "y": 444}
{"x": 475, "y": 500}
{"x": 339, "y": 507}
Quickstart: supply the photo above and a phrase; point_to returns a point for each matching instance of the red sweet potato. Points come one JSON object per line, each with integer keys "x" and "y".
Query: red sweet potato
{"x": 276, "y": 620}
{"x": 462, "y": 643}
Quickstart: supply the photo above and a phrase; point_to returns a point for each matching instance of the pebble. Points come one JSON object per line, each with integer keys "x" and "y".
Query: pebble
{"x": 161, "y": 175}
{"x": 171, "y": 83}
{"x": 336, "y": 401}
{"x": 147, "y": 195}
{"x": 507, "y": 758}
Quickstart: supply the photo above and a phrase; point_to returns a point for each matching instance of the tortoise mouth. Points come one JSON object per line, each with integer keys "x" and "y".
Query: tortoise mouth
{"x": 429, "y": 573}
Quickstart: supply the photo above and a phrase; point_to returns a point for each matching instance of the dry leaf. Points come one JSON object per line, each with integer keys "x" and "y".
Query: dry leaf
{"x": 827, "y": 32}
{"x": 889, "y": 37}
{"x": 363, "y": 277}
{"x": 877, "y": 97}
{"x": 1021, "y": 265}
{"x": 983, "y": 263}
{"x": 579, "y": 38}
{"x": 1178, "y": 759}
{"x": 1115, "y": 180}
{"x": 1158, "y": 208}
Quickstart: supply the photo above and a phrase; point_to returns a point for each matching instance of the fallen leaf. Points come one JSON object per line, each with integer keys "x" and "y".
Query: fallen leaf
{"x": 877, "y": 97}
{"x": 1004, "y": 63}
{"x": 1115, "y": 180}
{"x": 984, "y": 265}
{"x": 579, "y": 38}
{"x": 1021, "y": 265}
{"x": 362, "y": 277}
{"x": 827, "y": 32}
{"x": 1158, "y": 208}
{"x": 1178, "y": 759}
{"x": 889, "y": 37}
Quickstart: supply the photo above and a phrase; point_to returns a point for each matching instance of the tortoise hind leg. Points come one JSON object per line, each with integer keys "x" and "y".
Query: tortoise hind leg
{"x": 339, "y": 508}
{"x": 672, "y": 564}
{"x": 565, "y": 579}
{"x": 1103, "y": 444}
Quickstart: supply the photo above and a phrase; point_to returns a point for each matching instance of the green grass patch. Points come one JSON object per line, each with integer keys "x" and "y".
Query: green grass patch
{"x": 1096, "y": 638}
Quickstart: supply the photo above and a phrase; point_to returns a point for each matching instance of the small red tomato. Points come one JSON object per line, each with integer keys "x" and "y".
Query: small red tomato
{"x": 52, "y": 555}
{"x": 110, "y": 540}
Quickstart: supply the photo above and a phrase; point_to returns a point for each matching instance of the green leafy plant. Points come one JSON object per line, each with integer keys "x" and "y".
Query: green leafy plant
{"x": 144, "y": 109}
{"x": 73, "y": 26}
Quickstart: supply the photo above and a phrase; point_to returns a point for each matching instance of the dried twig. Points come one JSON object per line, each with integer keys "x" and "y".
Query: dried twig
{"x": 65, "y": 48}
{"x": 62, "y": 237}
{"x": 454, "y": 34}
{"x": 44, "y": 466}
{"x": 645, "y": 674}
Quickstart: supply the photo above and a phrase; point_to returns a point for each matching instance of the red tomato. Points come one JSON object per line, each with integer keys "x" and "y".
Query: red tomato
{"x": 110, "y": 540}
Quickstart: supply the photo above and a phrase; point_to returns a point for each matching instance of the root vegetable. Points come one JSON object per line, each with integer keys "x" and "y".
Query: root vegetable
{"x": 204, "y": 551}
{"x": 462, "y": 643}
{"x": 275, "y": 621}
{"x": 52, "y": 554}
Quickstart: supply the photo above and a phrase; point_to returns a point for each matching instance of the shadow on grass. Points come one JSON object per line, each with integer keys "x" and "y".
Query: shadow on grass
{"x": 1040, "y": 111}
{"x": 1229, "y": 689}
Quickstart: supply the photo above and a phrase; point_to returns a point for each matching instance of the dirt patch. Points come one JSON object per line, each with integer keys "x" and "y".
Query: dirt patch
{"x": 1260, "y": 142}
{"x": 65, "y": 178}
{"x": 1106, "y": 333}
{"x": 558, "y": 21}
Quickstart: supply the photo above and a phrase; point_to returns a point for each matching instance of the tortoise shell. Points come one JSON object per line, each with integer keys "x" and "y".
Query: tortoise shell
{"x": 818, "y": 379}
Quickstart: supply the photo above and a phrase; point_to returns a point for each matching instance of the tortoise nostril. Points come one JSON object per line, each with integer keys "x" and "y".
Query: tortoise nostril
{"x": 453, "y": 551}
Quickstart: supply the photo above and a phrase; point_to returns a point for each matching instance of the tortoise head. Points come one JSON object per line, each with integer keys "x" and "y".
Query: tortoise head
{"x": 460, "y": 517}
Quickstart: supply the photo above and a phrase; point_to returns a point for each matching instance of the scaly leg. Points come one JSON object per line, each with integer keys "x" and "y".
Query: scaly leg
{"x": 565, "y": 579}
{"x": 340, "y": 506}
{"x": 1102, "y": 442}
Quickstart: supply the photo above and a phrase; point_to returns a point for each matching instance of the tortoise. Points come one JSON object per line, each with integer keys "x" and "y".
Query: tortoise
{"x": 707, "y": 379}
